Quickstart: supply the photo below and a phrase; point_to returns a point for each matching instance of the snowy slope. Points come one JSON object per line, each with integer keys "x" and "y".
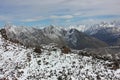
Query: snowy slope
{"x": 12, "y": 56}
{"x": 32, "y": 37}
{"x": 19, "y": 63}
{"x": 107, "y": 32}
{"x": 103, "y": 25}
{"x": 93, "y": 29}
{"x": 53, "y": 31}
{"x": 56, "y": 34}
{"x": 81, "y": 28}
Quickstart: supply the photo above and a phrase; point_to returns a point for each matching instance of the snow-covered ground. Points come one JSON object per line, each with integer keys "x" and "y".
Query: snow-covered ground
{"x": 20, "y": 63}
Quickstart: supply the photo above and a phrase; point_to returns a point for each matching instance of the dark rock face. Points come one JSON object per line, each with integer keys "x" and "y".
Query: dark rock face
{"x": 32, "y": 37}
{"x": 3, "y": 33}
{"x": 78, "y": 40}
{"x": 37, "y": 50}
{"x": 65, "y": 50}
{"x": 109, "y": 36}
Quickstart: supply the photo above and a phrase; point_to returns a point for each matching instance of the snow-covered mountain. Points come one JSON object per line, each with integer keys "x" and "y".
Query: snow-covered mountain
{"x": 56, "y": 34}
{"x": 33, "y": 37}
{"x": 107, "y": 32}
{"x": 27, "y": 35}
{"x": 52, "y": 63}
{"x": 94, "y": 28}
{"x": 81, "y": 28}
{"x": 103, "y": 25}
{"x": 77, "y": 40}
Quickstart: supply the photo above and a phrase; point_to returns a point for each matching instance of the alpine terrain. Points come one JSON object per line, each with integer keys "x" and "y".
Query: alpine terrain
{"x": 50, "y": 62}
{"x": 59, "y": 39}
{"x": 32, "y": 37}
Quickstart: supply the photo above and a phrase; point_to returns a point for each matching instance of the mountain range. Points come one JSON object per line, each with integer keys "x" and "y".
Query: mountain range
{"x": 33, "y": 37}
{"x": 28, "y": 53}
{"x": 107, "y": 32}
{"x": 75, "y": 37}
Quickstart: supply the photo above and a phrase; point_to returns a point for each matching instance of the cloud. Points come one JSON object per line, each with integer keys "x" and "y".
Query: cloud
{"x": 33, "y": 19}
{"x": 39, "y": 18}
{"x": 5, "y": 18}
{"x": 27, "y": 10}
{"x": 61, "y": 17}
{"x": 29, "y": 20}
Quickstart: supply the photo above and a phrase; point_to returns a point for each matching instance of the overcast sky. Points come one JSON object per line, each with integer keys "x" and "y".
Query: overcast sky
{"x": 58, "y": 12}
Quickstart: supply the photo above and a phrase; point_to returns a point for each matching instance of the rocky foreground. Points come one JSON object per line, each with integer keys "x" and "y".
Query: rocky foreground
{"x": 49, "y": 62}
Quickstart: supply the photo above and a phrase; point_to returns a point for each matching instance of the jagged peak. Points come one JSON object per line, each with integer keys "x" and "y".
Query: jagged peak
{"x": 53, "y": 30}
{"x": 81, "y": 28}
{"x": 17, "y": 29}
{"x": 73, "y": 30}
{"x": 9, "y": 25}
